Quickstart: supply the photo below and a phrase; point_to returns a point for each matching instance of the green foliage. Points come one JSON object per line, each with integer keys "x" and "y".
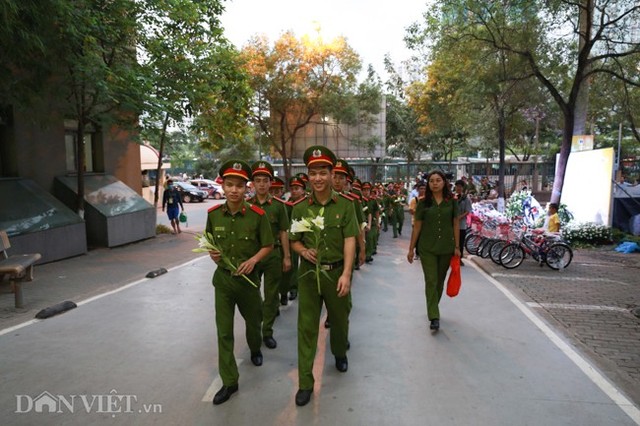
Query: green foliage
{"x": 586, "y": 233}
{"x": 514, "y": 207}
{"x": 162, "y": 229}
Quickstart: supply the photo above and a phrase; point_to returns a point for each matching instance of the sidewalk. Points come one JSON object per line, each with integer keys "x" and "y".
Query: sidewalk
{"x": 99, "y": 271}
{"x": 593, "y": 303}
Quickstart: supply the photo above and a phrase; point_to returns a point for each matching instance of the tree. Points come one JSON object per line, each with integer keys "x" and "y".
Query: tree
{"x": 193, "y": 72}
{"x": 296, "y": 80}
{"x": 100, "y": 73}
{"x": 598, "y": 42}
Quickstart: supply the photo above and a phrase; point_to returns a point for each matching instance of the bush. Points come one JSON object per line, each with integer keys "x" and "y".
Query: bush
{"x": 619, "y": 236}
{"x": 586, "y": 233}
{"x": 162, "y": 229}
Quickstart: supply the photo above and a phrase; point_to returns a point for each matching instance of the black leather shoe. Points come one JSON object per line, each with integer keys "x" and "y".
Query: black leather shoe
{"x": 357, "y": 268}
{"x": 303, "y": 396}
{"x": 327, "y": 324}
{"x": 369, "y": 259}
{"x": 270, "y": 342}
{"x": 293, "y": 294}
{"x": 278, "y": 313}
{"x": 348, "y": 345}
{"x": 284, "y": 300}
{"x": 342, "y": 364}
{"x": 224, "y": 394}
{"x": 256, "y": 359}
{"x": 435, "y": 324}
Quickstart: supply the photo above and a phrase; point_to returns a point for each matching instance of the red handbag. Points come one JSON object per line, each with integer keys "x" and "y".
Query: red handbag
{"x": 455, "y": 281}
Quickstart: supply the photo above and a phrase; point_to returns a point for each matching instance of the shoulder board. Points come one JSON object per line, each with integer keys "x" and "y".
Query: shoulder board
{"x": 257, "y": 209}
{"x": 279, "y": 199}
{"x": 299, "y": 201}
{"x": 346, "y": 196}
{"x": 215, "y": 207}
{"x": 354, "y": 195}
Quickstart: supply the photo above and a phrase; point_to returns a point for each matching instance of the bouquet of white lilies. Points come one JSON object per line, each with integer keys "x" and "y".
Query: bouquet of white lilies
{"x": 314, "y": 225}
{"x": 206, "y": 243}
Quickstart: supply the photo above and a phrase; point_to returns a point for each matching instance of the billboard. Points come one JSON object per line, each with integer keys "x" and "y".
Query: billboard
{"x": 587, "y": 185}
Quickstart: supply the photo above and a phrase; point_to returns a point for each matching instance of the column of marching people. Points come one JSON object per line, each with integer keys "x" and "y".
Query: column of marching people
{"x": 255, "y": 234}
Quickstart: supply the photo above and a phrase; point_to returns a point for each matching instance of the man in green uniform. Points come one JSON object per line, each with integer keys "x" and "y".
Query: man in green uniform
{"x": 277, "y": 187}
{"x": 398, "y": 206}
{"x": 243, "y": 235}
{"x": 334, "y": 257}
{"x": 356, "y": 194}
{"x": 372, "y": 214}
{"x": 297, "y": 189}
{"x": 279, "y": 259}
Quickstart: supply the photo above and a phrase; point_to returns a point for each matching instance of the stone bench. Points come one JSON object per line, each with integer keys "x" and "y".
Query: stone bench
{"x": 16, "y": 269}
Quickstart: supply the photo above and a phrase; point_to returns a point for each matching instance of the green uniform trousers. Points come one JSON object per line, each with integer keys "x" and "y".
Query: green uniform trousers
{"x": 434, "y": 268}
{"x": 290, "y": 278}
{"x": 229, "y": 292}
{"x": 370, "y": 242}
{"x": 309, "y": 310}
{"x": 400, "y": 218}
{"x": 271, "y": 269}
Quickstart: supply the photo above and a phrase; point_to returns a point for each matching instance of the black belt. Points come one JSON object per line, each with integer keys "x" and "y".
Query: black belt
{"x": 329, "y": 266}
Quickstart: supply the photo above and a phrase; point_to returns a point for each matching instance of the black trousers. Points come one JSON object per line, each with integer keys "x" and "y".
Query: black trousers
{"x": 463, "y": 235}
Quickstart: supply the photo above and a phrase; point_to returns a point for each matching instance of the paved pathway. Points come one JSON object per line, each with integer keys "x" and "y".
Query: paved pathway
{"x": 151, "y": 347}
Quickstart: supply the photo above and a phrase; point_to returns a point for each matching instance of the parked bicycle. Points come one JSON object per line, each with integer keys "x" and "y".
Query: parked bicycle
{"x": 543, "y": 248}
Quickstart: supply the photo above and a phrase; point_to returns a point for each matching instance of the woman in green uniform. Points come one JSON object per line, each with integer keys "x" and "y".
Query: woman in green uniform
{"x": 436, "y": 233}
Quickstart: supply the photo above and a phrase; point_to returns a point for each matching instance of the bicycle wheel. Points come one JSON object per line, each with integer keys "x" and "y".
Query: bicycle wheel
{"x": 496, "y": 248}
{"x": 558, "y": 256}
{"x": 471, "y": 243}
{"x": 485, "y": 251}
{"x": 511, "y": 256}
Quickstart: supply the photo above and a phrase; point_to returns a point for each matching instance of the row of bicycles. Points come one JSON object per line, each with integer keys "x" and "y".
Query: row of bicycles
{"x": 510, "y": 243}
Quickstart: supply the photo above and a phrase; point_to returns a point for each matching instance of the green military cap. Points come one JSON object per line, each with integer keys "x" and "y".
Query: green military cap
{"x": 277, "y": 183}
{"x": 366, "y": 185}
{"x": 319, "y": 155}
{"x": 261, "y": 168}
{"x": 296, "y": 181}
{"x": 236, "y": 168}
{"x": 341, "y": 167}
{"x": 357, "y": 183}
{"x": 303, "y": 177}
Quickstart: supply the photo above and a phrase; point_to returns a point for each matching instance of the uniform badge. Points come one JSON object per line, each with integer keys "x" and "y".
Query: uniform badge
{"x": 339, "y": 164}
{"x": 219, "y": 228}
{"x": 317, "y": 153}
{"x": 261, "y": 166}
{"x": 237, "y": 166}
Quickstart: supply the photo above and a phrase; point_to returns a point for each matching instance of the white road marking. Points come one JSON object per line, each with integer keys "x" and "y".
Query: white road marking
{"x": 99, "y": 296}
{"x": 557, "y": 277}
{"x": 216, "y": 385}
{"x": 594, "y": 375}
{"x": 569, "y": 306}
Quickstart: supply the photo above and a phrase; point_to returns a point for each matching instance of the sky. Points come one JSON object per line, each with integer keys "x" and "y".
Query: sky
{"x": 372, "y": 28}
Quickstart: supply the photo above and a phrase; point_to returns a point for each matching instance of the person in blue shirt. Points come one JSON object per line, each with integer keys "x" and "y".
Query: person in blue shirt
{"x": 172, "y": 200}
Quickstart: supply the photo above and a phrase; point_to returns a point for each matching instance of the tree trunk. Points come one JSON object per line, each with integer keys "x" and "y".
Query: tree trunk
{"x": 163, "y": 137}
{"x": 565, "y": 150}
{"x": 80, "y": 164}
{"x": 502, "y": 147}
{"x": 582, "y": 100}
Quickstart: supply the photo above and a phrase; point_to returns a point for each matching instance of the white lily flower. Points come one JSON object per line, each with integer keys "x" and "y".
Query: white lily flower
{"x": 300, "y": 226}
{"x": 318, "y": 221}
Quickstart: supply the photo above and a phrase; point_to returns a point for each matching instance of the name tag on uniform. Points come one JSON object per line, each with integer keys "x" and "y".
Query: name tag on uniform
{"x": 219, "y": 228}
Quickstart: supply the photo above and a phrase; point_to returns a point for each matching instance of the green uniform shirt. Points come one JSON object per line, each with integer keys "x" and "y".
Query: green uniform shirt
{"x": 276, "y": 213}
{"x": 358, "y": 204}
{"x": 339, "y": 223}
{"x": 239, "y": 236}
{"x": 436, "y": 234}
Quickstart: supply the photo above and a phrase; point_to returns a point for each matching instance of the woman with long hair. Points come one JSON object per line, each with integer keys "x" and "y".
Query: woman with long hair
{"x": 436, "y": 233}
